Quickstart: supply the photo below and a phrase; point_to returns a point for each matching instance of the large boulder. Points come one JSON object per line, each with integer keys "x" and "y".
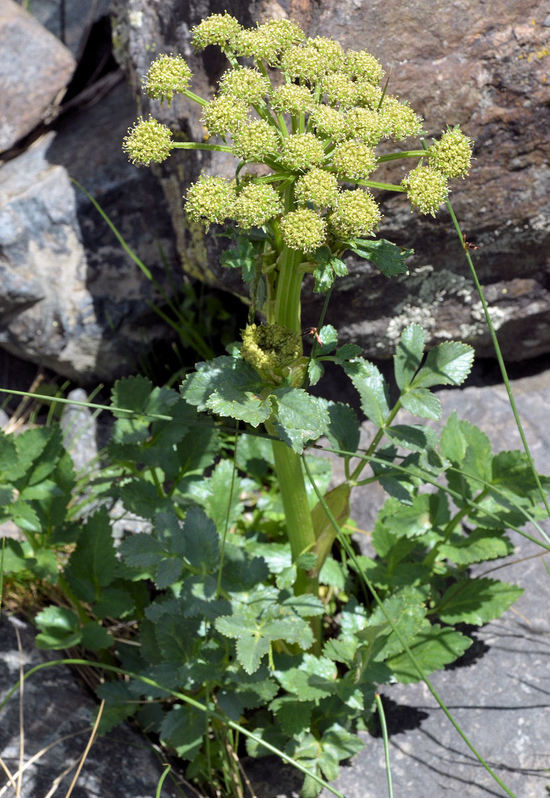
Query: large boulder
{"x": 483, "y": 69}
{"x": 34, "y": 69}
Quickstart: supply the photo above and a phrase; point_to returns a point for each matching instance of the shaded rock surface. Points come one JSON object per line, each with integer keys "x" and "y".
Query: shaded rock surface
{"x": 70, "y": 297}
{"x": 34, "y": 69}
{"x": 484, "y": 68}
{"x": 58, "y": 718}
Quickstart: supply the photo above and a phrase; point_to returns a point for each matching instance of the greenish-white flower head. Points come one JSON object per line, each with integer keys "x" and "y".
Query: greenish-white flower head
{"x": 292, "y": 99}
{"x": 219, "y": 29}
{"x": 245, "y": 84}
{"x": 328, "y": 123}
{"x": 224, "y": 115}
{"x": 361, "y": 64}
{"x": 356, "y": 213}
{"x": 452, "y": 154}
{"x": 167, "y": 75}
{"x": 427, "y": 189}
{"x": 303, "y": 64}
{"x": 367, "y": 94}
{"x": 301, "y": 151}
{"x": 330, "y": 50}
{"x": 400, "y": 120}
{"x": 318, "y": 187}
{"x": 255, "y": 141}
{"x": 339, "y": 89}
{"x": 256, "y": 204}
{"x": 353, "y": 160}
{"x": 211, "y": 200}
{"x": 303, "y": 230}
{"x": 365, "y": 125}
{"x": 147, "y": 142}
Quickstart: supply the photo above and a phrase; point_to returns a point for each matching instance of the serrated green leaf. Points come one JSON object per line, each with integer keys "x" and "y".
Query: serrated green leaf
{"x": 142, "y": 498}
{"x": 141, "y": 550}
{"x": 324, "y": 277}
{"x": 315, "y": 371}
{"x": 347, "y": 352}
{"x": 31, "y": 446}
{"x": 372, "y": 389}
{"x": 412, "y": 436}
{"x": 448, "y": 363}
{"x": 341, "y": 743}
{"x": 43, "y": 490}
{"x": 223, "y": 504}
{"x": 387, "y": 257}
{"x": 131, "y": 393}
{"x": 184, "y": 727}
{"x": 115, "y": 602}
{"x": 93, "y": 563}
{"x": 477, "y": 601}
{"x": 294, "y": 716}
{"x": 300, "y": 417}
{"x": 422, "y": 402}
{"x": 25, "y": 516}
{"x": 408, "y": 355}
{"x": 453, "y": 441}
{"x": 314, "y": 679}
{"x": 341, "y": 650}
{"x": 476, "y": 546}
{"x": 13, "y": 557}
{"x": 59, "y": 628}
{"x": 250, "y": 652}
{"x": 8, "y": 456}
{"x": 95, "y": 637}
{"x": 432, "y": 648}
{"x": 328, "y": 336}
{"x": 201, "y": 540}
{"x": 332, "y": 573}
{"x": 404, "y": 612}
{"x": 343, "y": 429}
{"x": 512, "y": 470}
{"x": 227, "y": 386}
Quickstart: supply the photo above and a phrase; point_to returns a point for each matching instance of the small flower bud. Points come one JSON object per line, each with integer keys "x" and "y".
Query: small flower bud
{"x": 303, "y": 230}
{"x": 339, "y": 89}
{"x": 271, "y": 349}
{"x": 356, "y": 213}
{"x": 148, "y": 141}
{"x": 255, "y": 141}
{"x": 301, "y": 151}
{"x": 426, "y": 189}
{"x": 245, "y": 84}
{"x": 223, "y": 115}
{"x": 365, "y": 125}
{"x": 318, "y": 187}
{"x": 452, "y": 154}
{"x": 328, "y": 123}
{"x": 220, "y": 29}
{"x": 292, "y": 99}
{"x": 256, "y": 204}
{"x": 168, "y": 74}
{"x": 352, "y": 160}
{"x": 399, "y": 119}
{"x": 360, "y": 64}
{"x": 210, "y": 200}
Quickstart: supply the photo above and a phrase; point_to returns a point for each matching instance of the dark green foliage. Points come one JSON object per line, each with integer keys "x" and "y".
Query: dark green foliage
{"x": 208, "y": 588}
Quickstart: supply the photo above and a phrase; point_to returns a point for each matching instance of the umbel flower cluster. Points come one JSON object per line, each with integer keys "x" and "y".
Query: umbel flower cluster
{"x": 303, "y": 117}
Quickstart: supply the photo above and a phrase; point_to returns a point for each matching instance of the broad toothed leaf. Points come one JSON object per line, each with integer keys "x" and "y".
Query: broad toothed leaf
{"x": 408, "y": 355}
{"x": 477, "y": 601}
{"x": 448, "y": 363}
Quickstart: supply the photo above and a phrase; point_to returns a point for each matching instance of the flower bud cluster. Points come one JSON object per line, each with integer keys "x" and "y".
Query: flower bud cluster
{"x": 313, "y": 133}
{"x": 167, "y": 75}
{"x": 147, "y": 142}
{"x": 271, "y": 349}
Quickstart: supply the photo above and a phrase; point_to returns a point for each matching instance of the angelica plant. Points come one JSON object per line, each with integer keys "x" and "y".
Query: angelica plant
{"x": 303, "y": 118}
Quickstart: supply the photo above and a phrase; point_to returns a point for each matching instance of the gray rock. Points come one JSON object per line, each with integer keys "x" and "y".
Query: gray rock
{"x": 70, "y": 20}
{"x": 58, "y": 718}
{"x": 70, "y": 298}
{"x": 482, "y": 70}
{"x": 30, "y": 85}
